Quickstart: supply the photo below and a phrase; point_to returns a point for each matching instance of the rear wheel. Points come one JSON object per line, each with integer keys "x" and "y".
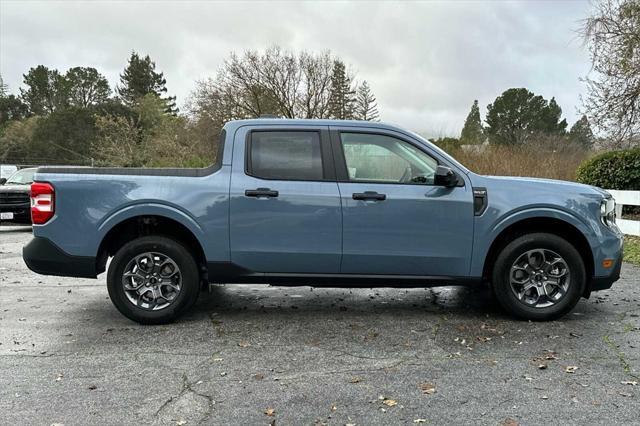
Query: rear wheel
{"x": 153, "y": 279}
{"x": 539, "y": 277}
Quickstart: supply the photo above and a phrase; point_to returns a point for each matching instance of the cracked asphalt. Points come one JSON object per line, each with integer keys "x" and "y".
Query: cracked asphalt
{"x": 251, "y": 354}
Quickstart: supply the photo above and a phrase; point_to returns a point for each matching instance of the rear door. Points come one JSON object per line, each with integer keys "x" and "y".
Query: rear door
{"x": 285, "y": 205}
{"x": 395, "y": 220}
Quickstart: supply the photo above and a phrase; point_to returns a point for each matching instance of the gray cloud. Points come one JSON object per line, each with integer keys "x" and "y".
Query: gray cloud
{"x": 426, "y": 62}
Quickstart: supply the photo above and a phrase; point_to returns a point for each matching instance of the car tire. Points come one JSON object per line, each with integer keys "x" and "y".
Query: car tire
{"x": 162, "y": 280}
{"x": 519, "y": 266}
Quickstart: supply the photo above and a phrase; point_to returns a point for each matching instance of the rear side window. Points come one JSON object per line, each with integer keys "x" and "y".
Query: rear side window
{"x": 285, "y": 156}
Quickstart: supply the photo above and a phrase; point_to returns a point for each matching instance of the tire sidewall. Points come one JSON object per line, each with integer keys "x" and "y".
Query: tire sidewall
{"x": 179, "y": 254}
{"x": 510, "y": 253}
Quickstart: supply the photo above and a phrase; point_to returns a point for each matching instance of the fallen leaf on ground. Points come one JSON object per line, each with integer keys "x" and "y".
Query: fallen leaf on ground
{"x": 181, "y": 422}
{"x": 59, "y": 378}
{"x": 542, "y": 366}
{"x": 333, "y": 407}
{"x": 571, "y": 369}
{"x": 270, "y": 412}
{"x": 630, "y": 382}
{"x": 244, "y": 344}
{"x": 420, "y": 421}
{"x": 389, "y": 402}
{"x": 258, "y": 376}
{"x": 509, "y": 422}
{"x": 355, "y": 380}
{"x": 428, "y": 388}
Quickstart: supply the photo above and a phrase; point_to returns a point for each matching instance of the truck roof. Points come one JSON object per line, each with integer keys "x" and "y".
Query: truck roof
{"x": 234, "y": 124}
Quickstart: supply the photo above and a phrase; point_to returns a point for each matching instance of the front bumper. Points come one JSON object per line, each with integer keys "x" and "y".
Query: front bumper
{"x": 46, "y": 258}
{"x": 21, "y": 212}
{"x": 604, "y": 283}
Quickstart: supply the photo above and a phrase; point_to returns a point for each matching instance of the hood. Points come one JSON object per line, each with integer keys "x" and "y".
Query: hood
{"x": 9, "y": 187}
{"x": 552, "y": 185}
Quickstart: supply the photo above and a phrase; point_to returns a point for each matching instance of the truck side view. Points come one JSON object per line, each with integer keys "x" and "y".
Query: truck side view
{"x": 322, "y": 202}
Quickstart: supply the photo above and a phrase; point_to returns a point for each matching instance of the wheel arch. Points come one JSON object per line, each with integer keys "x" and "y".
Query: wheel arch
{"x": 133, "y": 226}
{"x": 550, "y": 225}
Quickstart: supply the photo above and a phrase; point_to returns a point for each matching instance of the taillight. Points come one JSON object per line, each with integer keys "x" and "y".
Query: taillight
{"x": 42, "y": 202}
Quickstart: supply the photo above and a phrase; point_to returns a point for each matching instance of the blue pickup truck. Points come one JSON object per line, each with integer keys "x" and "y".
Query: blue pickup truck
{"x": 322, "y": 202}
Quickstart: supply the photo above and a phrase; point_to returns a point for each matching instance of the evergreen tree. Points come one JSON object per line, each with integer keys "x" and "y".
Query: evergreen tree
{"x": 341, "y": 97}
{"x": 46, "y": 90}
{"x": 517, "y": 115}
{"x": 366, "y": 107}
{"x": 139, "y": 79}
{"x": 473, "y": 132}
{"x": 581, "y": 133}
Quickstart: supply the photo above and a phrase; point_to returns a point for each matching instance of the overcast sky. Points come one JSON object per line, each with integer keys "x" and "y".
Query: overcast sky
{"x": 426, "y": 62}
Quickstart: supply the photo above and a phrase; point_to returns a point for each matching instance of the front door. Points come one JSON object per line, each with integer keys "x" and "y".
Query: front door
{"x": 395, "y": 220}
{"x": 285, "y": 206}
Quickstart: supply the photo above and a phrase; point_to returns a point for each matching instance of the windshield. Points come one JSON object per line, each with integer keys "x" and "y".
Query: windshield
{"x": 22, "y": 177}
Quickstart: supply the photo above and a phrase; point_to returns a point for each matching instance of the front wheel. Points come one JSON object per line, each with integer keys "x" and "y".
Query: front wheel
{"x": 539, "y": 277}
{"x": 153, "y": 279}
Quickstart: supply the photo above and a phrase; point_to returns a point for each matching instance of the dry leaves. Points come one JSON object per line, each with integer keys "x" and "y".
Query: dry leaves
{"x": 428, "y": 388}
{"x": 355, "y": 380}
{"x": 389, "y": 402}
{"x": 630, "y": 382}
{"x": 244, "y": 344}
{"x": 571, "y": 369}
{"x": 270, "y": 412}
{"x": 509, "y": 422}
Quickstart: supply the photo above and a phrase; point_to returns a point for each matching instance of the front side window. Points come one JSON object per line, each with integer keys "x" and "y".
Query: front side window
{"x": 285, "y": 156}
{"x": 379, "y": 158}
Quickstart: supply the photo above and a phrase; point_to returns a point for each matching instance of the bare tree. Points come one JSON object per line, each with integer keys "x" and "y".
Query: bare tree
{"x": 273, "y": 82}
{"x": 612, "y": 34}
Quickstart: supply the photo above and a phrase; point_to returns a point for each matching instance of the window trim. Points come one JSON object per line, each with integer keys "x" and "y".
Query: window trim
{"x": 342, "y": 173}
{"x": 326, "y": 155}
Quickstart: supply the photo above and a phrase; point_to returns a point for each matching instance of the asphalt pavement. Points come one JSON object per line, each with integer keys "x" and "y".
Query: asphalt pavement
{"x": 255, "y": 354}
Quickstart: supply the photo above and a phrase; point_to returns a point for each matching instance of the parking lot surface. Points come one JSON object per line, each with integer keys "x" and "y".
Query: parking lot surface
{"x": 251, "y": 354}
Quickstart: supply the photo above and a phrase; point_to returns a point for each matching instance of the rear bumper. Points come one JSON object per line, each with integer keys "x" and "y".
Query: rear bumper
{"x": 46, "y": 258}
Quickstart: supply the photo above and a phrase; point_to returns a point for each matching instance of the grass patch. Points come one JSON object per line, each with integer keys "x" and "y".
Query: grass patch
{"x": 632, "y": 249}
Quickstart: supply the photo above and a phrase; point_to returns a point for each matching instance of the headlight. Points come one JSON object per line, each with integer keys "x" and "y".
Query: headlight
{"x": 608, "y": 211}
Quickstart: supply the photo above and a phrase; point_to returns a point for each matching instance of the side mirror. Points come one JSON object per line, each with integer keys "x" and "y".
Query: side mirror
{"x": 445, "y": 177}
{"x": 3, "y": 181}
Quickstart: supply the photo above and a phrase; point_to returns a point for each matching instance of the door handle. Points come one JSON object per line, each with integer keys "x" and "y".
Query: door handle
{"x": 369, "y": 195}
{"x": 261, "y": 192}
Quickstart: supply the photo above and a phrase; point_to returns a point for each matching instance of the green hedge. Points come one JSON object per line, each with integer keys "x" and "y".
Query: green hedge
{"x": 612, "y": 170}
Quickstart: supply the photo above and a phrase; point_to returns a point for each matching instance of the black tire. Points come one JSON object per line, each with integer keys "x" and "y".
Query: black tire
{"x": 501, "y": 285}
{"x": 190, "y": 286}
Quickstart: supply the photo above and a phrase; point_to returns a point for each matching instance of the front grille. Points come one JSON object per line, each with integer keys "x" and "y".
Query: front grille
{"x": 10, "y": 198}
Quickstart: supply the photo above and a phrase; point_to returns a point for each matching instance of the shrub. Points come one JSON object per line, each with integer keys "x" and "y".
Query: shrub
{"x": 612, "y": 170}
{"x": 540, "y": 158}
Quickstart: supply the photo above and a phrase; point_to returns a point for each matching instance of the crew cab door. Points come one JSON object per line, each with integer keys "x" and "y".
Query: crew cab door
{"x": 285, "y": 213}
{"x": 395, "y": 220}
